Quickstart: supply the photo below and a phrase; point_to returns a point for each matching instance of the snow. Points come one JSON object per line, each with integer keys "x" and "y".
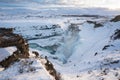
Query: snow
{"x": 22, "y": 71}
{"x": 79, "y": 55}
{"x": 5, "y": 52}
{"x": 81, "y": 61}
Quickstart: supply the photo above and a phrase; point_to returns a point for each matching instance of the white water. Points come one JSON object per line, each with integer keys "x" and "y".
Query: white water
{"x": 71, "y": 38}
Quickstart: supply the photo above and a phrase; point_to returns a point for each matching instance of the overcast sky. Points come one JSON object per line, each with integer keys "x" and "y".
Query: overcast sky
{"x": 89, "y": 3}
{"x": 35, "y": 1}
{"x": 65, "y": 1}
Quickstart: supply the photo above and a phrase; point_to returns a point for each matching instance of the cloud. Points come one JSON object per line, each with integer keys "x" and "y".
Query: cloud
{"x": 13, "y": 1}
{"x": 35, "y": 1}
{"x": 78, "y": 3}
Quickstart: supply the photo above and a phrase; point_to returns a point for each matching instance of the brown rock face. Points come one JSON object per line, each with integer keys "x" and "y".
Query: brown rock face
{"x": 50, "y": 68}
{"x": 7, "y": 39}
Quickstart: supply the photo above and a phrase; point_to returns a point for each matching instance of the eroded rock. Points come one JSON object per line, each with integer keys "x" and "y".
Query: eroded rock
{"x": 8, "y": 39}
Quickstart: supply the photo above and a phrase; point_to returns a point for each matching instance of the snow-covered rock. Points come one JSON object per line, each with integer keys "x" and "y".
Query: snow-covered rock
{"x": 5, "y": 52}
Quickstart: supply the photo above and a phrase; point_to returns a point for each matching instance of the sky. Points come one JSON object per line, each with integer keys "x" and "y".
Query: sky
{"x": 77, "y": 3}
{"x": 33, "y": 1}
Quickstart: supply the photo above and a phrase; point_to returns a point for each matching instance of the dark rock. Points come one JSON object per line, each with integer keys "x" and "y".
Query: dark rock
{"x": 116, "y": 35}
{"x": 105, "y": 71}
{"x": 95, "y": 54}
{"x": 116, "y": 19}
{"x": 36, "y": 53}
{"x": 105, "y": 47}
{"x": 11, "y": 59}
{"x": 50, "y": 68}
{"x": 116, "y": 74}
{"x": 77, "y": 76}
{"x": 96, "y": 25}
{"x": 115, "y": 62}
{"x": 6, "y": 31}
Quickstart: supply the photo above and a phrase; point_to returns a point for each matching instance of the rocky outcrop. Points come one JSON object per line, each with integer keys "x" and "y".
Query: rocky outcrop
{"x": 96, "y": 25}
{"x": 116, "y": 35}
{"x": 7, "y": 39}
{"x": 50, "y": 68}
{"x": 116, "y": 18}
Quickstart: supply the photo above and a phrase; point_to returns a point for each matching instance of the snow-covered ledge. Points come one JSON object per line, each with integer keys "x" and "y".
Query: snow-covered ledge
{"x": 5, "y": 52}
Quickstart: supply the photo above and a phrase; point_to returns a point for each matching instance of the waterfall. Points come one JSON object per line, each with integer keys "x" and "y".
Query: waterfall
{"x": 70, "y": 40}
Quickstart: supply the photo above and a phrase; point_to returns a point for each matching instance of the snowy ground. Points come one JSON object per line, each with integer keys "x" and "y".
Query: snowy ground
{"x": 76, "y": 53}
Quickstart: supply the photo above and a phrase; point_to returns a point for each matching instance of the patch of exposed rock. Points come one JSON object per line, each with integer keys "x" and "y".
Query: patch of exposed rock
{"x": 50, "y": 68}
{"x": 96, "y": 25}
{"x": 116, "y": 18}
{"x": 8, "y": 39}
{"x": 116, "y": 35}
